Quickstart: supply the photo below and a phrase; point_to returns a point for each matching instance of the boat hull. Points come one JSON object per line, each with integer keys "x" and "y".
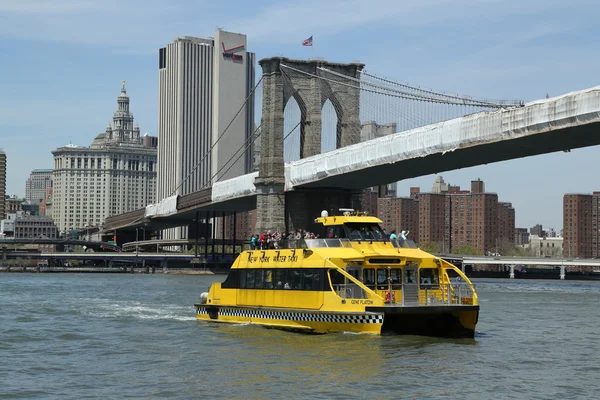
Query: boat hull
{"x": 443, "y": 321}
{"x": 309, "y": 321}
{"x": 450, "y": 321}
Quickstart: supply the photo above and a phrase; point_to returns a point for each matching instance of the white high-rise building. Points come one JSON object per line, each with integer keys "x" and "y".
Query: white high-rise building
{"x": 204, "y": 121}
{"x": 203, "y": 83}
{"x": 116, "y": 174}
{"x": 37, "y": 184}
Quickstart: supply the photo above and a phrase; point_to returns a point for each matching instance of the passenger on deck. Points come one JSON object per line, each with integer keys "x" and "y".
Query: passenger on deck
{"x": 404, "y": 234}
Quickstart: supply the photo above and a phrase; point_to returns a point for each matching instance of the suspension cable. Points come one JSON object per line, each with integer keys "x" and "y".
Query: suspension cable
{"x": 219, "y": 138}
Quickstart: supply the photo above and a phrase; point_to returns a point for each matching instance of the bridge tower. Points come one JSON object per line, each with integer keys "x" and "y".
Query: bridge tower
{"x": 276, "y": 209}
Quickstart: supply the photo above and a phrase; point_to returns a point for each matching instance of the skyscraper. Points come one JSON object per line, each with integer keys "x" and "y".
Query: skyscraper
{"x": 203, "y": 85}
{"x": 116, "y": 174}
{"x": 2, "y": 183}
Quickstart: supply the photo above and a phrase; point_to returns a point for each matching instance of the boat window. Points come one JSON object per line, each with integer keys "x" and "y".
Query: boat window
{"x": 309, "y": 279}
{"x": 250, "y": 278}
{"x": 312, "y": 279}
{"x": 429, "y": 277}
{"x": 382, "y": 275}
{"x": 395, "y": 275}
{"x": 280, "y": 280}
{"x": 409, "y": 276}
{"x": 345, "y": 288}
{"x": 369, "y": 276}
{"x": 297, "y": 279}
{"x": 243, "y": 279}
{"x": 335, "y": 232}
{"x": 258, "y": 279}
{"x": 364, "y": 231}
{"x": 268, "y": 274}
{"x": 232, "y": 280}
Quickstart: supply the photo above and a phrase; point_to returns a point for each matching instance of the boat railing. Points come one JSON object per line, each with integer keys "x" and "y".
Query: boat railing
{"x": 349, "y": 291}
{"x": 432, "y": 294}
{"x": 313, "y": 243}
{"x": 401, "y": 243}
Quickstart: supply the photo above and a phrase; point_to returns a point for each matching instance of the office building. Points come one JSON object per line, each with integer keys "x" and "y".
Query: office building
{"x": 2, "y": 183}
{"x": 205, "y": 123}
{"x": 35, "y": 187}
{"x": 203, "y": 83}
{"x": 114, "y": 175}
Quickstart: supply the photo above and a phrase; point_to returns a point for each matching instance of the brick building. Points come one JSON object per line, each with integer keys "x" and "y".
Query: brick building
{"x": 506, "y": 223}
{"x": 453, "y": 217}
{"x": 398, "y": 214}
{"x": 580, "y": 225}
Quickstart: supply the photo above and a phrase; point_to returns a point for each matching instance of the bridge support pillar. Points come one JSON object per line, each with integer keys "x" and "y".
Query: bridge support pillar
{"x": 563, "y": 272}
{"x": 303, "y": 206}
{"x": 511, "y": 275}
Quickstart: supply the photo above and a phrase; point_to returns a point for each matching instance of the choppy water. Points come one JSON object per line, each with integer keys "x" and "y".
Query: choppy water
{"x": 134, "y": 336}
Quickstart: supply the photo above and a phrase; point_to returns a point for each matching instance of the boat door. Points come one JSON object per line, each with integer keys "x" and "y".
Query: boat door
{"x": 410, "y": 287}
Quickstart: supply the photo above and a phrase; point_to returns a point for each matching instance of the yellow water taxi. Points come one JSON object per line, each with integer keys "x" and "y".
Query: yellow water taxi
{"x": 354, "y": 279}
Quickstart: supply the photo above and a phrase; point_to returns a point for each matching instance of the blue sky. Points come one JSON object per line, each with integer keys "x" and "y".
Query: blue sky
{"x": 62, "y": 63}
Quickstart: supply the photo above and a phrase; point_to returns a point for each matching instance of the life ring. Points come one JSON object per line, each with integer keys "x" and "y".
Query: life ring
{"x": 387, "y": 297}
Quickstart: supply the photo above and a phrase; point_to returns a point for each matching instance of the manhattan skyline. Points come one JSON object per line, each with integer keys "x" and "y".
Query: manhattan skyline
{"x": 68, "y": 59}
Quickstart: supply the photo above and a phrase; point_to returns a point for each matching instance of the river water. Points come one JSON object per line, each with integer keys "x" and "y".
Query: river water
{"x": 75, "y": 336}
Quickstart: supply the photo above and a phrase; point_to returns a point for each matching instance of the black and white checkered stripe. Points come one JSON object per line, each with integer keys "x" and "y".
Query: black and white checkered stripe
{"x": 297, "y": 316}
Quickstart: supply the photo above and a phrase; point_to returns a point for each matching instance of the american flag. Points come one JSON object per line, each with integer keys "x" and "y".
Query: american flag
{"x": 307, "y": 42}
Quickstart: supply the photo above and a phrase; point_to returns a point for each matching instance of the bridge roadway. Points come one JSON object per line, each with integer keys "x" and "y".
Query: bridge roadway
{"x": 560, "y": 123}
{"x": 74, "y": 242}
{"x": 556, "y": 262}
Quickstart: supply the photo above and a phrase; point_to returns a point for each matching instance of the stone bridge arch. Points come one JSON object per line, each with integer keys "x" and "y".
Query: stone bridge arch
{"x": 311, "y": 83}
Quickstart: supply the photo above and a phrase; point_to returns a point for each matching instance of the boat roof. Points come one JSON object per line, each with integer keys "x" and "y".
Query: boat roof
{"x": 344, "y": 219}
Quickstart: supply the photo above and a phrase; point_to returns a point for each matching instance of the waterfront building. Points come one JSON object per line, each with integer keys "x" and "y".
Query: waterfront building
{"x": 32, "y": 227}
{"x": 35, "y": 187}
{"x": 2, "y": 183}
{"x": 114, "y": 175}
{"x": 580, "y": 225}
{"x": 546, "y": 246}
{"x": 453, "y": 218}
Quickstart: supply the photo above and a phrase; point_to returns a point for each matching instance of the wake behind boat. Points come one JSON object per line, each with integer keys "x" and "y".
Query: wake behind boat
{"x": 356, "y": 280}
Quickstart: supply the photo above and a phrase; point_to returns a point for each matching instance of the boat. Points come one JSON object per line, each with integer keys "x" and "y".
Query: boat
{"x": 352, "y": 279}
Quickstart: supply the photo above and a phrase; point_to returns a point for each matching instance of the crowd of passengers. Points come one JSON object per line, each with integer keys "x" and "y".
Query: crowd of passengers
{"x": 271, "y": 240}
